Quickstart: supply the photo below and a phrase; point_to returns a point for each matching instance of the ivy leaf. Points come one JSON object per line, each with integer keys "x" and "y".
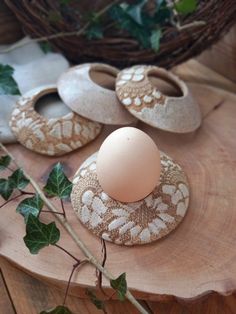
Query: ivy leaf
{"x": 155, "y": 39}
{"x": 58, "y": 310}
{"x": 135, "y": 11}
{"x": 39, "y": 235}
{"x": 6, "y": 188}
{"x": 19, "y": 181}
{"x": 186, "y": 6}
{"x": 163, "y": 13}
{"x": 94, "y": 31}
{"x": 45, "y": 46}
{"x": 32, "y": 205}
{"x": 124, "y": 21}
{"x": 8, "y": 85}
{"x": 120, "y": 285}
{"x": 98, "y": 303}
{"x": 57, "y": 183}
{"x": 4, "y": 162}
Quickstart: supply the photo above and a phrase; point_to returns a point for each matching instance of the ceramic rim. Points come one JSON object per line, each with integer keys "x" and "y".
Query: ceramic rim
{"x": 54, "y": 136}
{"x": 143, "y": 99}
{"x": 131, "y": 223}
{"x": 89, "y": 99}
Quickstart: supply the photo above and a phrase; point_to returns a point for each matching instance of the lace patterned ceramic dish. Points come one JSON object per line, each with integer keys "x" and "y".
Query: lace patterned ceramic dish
{"x": 89, "y": 90}
{"x": 131, "y": 223}
{"x": 54, "y": 136}
{"x": 142, "y": 98}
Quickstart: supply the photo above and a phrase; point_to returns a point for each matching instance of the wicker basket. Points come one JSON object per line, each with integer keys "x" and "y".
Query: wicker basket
{"x": 10, "y": 29}
{"x": 176, "y": 46}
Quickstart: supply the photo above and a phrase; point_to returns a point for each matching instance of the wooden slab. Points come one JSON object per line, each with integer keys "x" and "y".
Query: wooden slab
{"x": 30, "y": 296}
{"x": 197, "y": 258}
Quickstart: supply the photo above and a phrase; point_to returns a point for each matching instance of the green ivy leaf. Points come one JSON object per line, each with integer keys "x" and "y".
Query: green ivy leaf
{"x": 135, "y": 11}
{"x": 94, "y": 31}
{"x": 4, "y": 162}
{"x": 45, "y": 46}
{"x": 32, "y": 205}
{"x": 19, "y": 181}
{"x": 98, "y": 303}
{"x": 6, "y": 188}
{"x": 57, "y": 183}
{"x": 124, "y": 21}
{"x": 8, "y": 85}
{"x": 155, "y": 39}
{"x": 162, "y": 14}
{"x": 38, "y": 235}
{"x": 58, "y": 310}
{"x": 120, "y": 285}
{"x": 186, "y": 6}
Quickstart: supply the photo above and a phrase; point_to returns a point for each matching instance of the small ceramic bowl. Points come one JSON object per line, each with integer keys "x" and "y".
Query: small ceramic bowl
{"x": 89, "y": 90}
{"x": 131, "y": 223}
{"x": 50, "y": 136}
{"x": 158, "y": 98}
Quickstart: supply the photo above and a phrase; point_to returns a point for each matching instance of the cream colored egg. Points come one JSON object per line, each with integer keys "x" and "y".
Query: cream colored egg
{"x": 128, "y": 165}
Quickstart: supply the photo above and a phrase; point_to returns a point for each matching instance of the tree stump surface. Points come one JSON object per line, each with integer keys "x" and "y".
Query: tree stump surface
{"x": 194, "y": 260}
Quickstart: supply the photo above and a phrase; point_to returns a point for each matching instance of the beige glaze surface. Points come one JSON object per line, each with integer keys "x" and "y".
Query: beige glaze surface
{"x": 83, "y": 94}
{"x": 142, "y": 96}
{"x": 139, "y": 222}
{"x": 50, "y": 136}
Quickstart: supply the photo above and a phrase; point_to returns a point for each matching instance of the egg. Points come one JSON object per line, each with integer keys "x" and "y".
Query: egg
{"x": 128, "y": 165}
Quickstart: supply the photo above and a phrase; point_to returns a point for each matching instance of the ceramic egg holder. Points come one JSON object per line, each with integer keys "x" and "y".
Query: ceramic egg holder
{"x": 98, "y": 93}
{"x": 89, "y": 90}
{"x": 50, "y": 136}
{"x": 139, "y": 89}
{"x": 140, "y": 222}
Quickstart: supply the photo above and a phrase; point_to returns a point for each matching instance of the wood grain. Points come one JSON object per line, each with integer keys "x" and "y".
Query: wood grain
{"x": 222, "y": 56}
{"x": 30, "y": 296}
{"x": 195, "y": 72}
{"x": 6, "y": 306}
{"x": 195, "y": 259}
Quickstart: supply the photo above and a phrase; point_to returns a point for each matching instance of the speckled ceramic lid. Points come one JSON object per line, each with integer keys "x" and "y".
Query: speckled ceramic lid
{"x": 88, "y": 90}
{"x": 131, "y": 223}
{"x": 53, "y": 136}
{"x": 143, "y": 99}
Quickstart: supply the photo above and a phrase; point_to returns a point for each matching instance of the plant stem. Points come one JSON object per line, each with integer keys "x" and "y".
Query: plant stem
{"x": 63, "y": 208}
{"x": 91, "y": 258}
{"x": 26, "y": 193}
{"x": 49, "y": 211}
{"x": 10, "y": 169}
{"x": 79, "y": 263}
{"x": 190, "y": 25}
{"x": 61, "y": 34}
{"x": 8, "y": 201}
{"x": 104, "y": 252}
{"x": 67, "y": 252}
